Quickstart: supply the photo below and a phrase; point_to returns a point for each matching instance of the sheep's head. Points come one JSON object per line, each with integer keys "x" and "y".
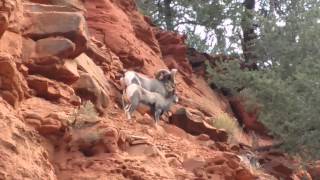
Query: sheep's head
{"x": 170, "y": 87}
{"x": 166, "y": 75}
{"x": 162, "y": 74}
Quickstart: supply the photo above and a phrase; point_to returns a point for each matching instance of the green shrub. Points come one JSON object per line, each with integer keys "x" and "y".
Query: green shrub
{"x": 289, "y": 106}
{"x": 287, "y": 84}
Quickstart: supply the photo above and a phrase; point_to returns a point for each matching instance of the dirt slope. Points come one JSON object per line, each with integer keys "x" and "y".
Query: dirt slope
{"x": 56, "y": 55}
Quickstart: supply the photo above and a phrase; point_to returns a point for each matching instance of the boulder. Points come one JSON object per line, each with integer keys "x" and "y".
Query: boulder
{"x": 87, "y": 65}
{"x": 13, "y": 87}
{"x": 65, "y": 71}
{"x": 71, "y": 25}
{"x": 47, "y": 58}
{"x": 54, "y": 46}
{"x": 37, "y": 7}
{"x": 68, "y": 71}
{"x": 196, "y": 125}
{"x": 50, "y": 89}
{"x": 96, "y": 53}
{"x": 92, "y": 83}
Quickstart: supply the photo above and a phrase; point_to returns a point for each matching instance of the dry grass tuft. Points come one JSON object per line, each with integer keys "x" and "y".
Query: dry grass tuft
{"x": 85, "y": 115}
{"x": 229, "y": 124}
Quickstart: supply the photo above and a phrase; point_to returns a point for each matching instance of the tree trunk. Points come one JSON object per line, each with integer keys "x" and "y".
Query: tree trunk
{"x": 168, "y": 15}
{"x": 249, "y": 36}
{"x": 272, "y": 7}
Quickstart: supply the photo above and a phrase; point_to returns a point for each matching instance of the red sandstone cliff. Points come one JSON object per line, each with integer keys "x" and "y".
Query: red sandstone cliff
{"x": 56, "y": 54}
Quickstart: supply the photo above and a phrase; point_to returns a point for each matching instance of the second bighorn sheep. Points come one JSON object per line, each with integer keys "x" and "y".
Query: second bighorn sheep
{"x": 135, "y": 94}
{"x": 164, "y": 83}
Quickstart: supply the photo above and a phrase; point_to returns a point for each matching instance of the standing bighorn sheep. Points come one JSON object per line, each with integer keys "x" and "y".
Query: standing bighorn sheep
{"x": 164, "y": 83}
{"x": 158, "y": 93}
{"x": 135, "y": 95}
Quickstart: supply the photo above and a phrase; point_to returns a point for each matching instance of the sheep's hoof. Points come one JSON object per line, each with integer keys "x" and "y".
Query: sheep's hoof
{"x": 156, "y": 126}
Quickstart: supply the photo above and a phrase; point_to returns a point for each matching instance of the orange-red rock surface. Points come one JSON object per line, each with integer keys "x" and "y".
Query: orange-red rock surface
{"x": 56, "y": 55}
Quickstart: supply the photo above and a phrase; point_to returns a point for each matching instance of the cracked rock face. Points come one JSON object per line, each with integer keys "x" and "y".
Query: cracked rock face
{"x": 22, "y": 155}
{"x": 10, "y": 15}
{"x": 13, "y": 87}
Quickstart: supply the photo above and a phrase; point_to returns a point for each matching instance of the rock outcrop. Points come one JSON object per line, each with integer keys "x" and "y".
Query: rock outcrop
{"x": 122, "y": 29}
{"x": 174, "y": 51}
{"x": 191, "y": 122}
{"x": 92, "y": 83}
{"x": 56, "y": 51}
{"x": 10, "y": 16}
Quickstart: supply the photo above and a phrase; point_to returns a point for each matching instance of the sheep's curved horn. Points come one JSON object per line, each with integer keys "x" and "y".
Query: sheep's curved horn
{"x": 173, "y": 74}
{"x": 161, "y": 73}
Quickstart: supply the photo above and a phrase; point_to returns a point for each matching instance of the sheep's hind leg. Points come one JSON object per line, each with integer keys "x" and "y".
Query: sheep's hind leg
{"x": 130, "y": 110}
{"x": 134, "y": 102}
{"x": 127, "y": 112}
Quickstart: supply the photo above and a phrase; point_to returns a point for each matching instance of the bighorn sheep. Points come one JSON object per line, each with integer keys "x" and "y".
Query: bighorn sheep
{"x": 164, "y": 84}
{"x": 135, "y": 95}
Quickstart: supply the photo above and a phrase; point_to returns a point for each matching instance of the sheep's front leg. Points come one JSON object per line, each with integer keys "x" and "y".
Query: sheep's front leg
{"x": 157, "y": 115}
{"x": 123, "y": 103}
{"x": 127, "y": 112}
